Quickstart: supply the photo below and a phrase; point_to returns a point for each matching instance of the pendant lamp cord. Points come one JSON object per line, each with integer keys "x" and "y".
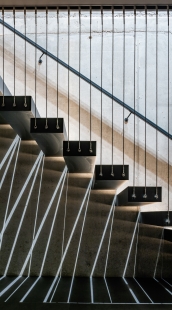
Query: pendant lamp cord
{"x": 79, "y": 148}
{"x": 90, "y": 79}
{"x": 123, "y": 170}
{"x": 168, "y": 116}
{"x": 14, "y": 103}
{"x": 134, "y": 164}
{"x": 35, "y": 125}
{"x": 25, "y": 101}
{"x": 57, "y": 124}
{"x": 146, "y": 28}
{"x": 156, "y": 194}
{"x": 46, "y": 88}
{"x": 3, "y": 103}
{"x": 68, "y": 149}
{"x": 101, "y": 129}
{"x": 112, "y": 171}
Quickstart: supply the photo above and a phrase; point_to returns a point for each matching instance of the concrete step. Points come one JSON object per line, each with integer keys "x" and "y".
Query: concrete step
{"x": 153, "y": 253}
{"x": 7, "y": 135}
{"x": 64, "y": 223}
{"x": 121, "y": 256}
{"x": 13, "y": 203}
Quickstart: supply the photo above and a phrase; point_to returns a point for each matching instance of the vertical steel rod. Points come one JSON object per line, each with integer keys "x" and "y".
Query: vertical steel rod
{"x": 168, "y": 216}
{"x": 35, "y": 125}
{"x": 3, "y": 103}
{"x": 146, "y": 30}
{"x": 25, "y": 102}
{"x": 112, "y": 172}
{"x": 90, "y": 79}
{"x": 14, "y": 103}
{"x": 101, "y": 125}
{"x": 46, "y": 88}
{"x": 79, "y": 148}
{"x": 68, "y": 149}
{"x": 134, "y": 160}
{"x": 156, "y": 194}
{"x": 123, "y": 171}
{"x": 57, "y": 124}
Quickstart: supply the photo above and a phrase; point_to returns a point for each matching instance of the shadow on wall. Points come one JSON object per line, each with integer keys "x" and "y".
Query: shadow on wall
{"x": 85, "y": 118}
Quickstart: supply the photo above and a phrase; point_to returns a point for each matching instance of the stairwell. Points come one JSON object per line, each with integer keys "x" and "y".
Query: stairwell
{"x": 53, "y": 238}
{"x": 64, "y": 242}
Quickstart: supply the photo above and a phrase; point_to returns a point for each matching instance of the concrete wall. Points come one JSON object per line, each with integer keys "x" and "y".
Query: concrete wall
{"x": 107, "y": 83}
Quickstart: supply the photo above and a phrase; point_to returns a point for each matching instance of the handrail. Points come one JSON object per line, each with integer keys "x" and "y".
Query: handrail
{"x": 83, "y": 77}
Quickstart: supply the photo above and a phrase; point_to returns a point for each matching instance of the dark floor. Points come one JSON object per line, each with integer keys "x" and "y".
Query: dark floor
{"x": 97, "y": 291}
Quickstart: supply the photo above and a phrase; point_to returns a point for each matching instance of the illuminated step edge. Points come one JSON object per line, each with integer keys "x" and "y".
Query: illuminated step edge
{"x": 107, "y": 180}
{"x": 80, "y": 162}
{"x": 156, "y": 218}
{"x": 18, "y": 117}
{"x": 50, "y": 139}
{"x": 125, "y": 198}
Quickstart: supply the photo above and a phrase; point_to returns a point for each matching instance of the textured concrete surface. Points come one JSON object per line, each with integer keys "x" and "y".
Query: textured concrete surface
{"x": 118, "y": 88}
{"x": 55, "y": 233}
{"x": 153, "y": 253}
{"x": 27, "y": 156}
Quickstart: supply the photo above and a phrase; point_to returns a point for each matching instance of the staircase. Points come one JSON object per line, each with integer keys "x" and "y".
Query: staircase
{"x": 104, "y": 235}
{"x": 72, "y": 234}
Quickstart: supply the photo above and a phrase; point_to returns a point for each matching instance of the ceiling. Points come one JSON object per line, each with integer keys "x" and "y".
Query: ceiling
{"x": 80, "y": 2}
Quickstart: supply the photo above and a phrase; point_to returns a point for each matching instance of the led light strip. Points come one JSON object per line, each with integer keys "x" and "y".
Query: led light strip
{"x": 30, "y": 289}
{"x": 16, "y": 289}
{"x": 68, "y": 243}
{"x": 159, "y": 249}
{"x": 79, "y": 245}
{"x": 21, "y": 193}
{"x": 131, "y": 291}
{"x": 131, "y": 244}
{"x": 22, "y": 218}
{"x": 36, "y": 215}
{"x": 9, "y": 151}
{"x": 108, "y": 290}
{"x": 43, "y": 221}
{"x": 144, "y": 291}
{"x": 52, "y": 226}
{"x": 8, "y": 286}
{"x": 9, "y": 196}
{"x": 100, "y": 245}
{"x": 9, "y": 162}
